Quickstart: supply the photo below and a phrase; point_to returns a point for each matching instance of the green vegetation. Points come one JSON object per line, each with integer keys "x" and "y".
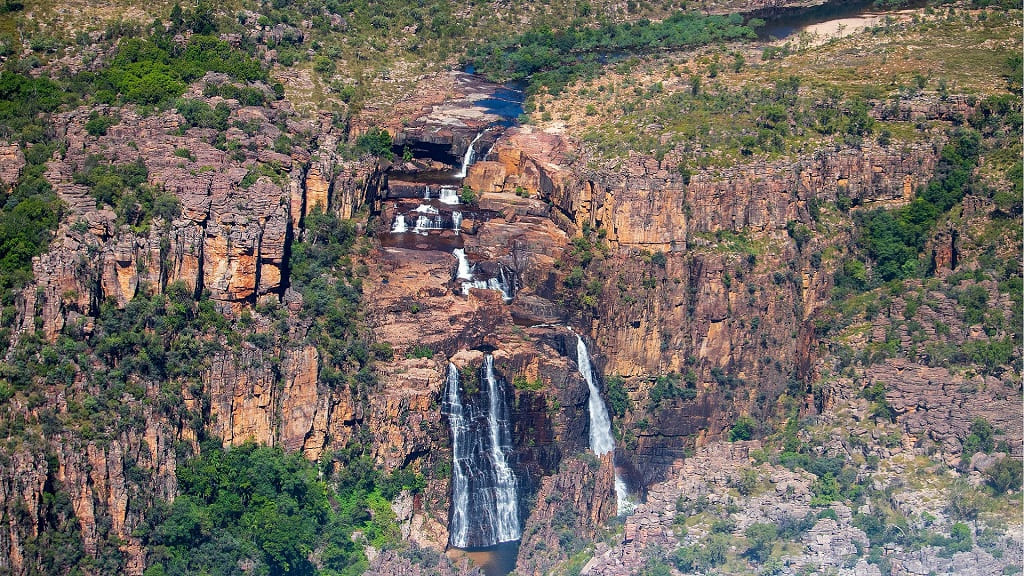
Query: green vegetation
{"x": 521, "y": 382}
{"x": 123, "y": 187}
{"x": 552, "y": 58}
{"x": 893, "y": 239}
{"x": 670, "y": 387}
{"x": 155, "y": 71}
{"x": 321, "y": 269}
{"x": 376, "y": 141}
{"x": 29, "y": 214}
{"x": 420, "y": 351}
{"x": 98, "y": 124}
{"x": 1005, "y": 475}
{"x": 743, "y": 429}
{"x": 616, "y": 396}
{"x": 259, "y": 506}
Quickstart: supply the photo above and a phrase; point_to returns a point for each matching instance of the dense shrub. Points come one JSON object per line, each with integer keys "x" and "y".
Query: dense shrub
{"x": 554, "y": 58}
{"x": 893, "y": 239}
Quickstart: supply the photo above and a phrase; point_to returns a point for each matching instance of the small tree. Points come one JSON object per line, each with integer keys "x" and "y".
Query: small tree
{"x": 742, "y": 430}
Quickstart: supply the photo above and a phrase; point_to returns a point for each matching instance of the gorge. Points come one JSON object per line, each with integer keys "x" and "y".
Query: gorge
{"x": 284, "y": 292}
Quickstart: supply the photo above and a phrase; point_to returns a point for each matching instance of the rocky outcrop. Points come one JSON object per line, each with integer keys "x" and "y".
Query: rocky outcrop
{"x": 442, "y": 117}
{"x": 570, "y": 508}
{"x": 731, "y": 301}
{"x": 12, "y": 160}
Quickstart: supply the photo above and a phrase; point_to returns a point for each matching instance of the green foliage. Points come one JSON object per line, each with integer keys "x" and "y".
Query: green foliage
{"x": 98, "y": 124}
{"x": 667, "y": 387}
{"x": 123, "y": 187}
{"x": 743, "y": 429}
{"x": 523, "y": 383}
{"x": 376, "y": 141}
{"x": 880, "y": 407}
{"x": 894, "y": 238}
{"x": 974, "y": 300}
{"x": 553, "y": 58}
{"x": 616, "y": 396}
{"x": 24, "y": 102}
{"x": 761, "y": 537}
{"x": 257, "y": 505}
{"x": 321, "y": 270}
{"x": 30, "y": 213}
{"x": 155, "y": 70}
{"x": 108, "y": 182}
{"x": 980, "y": 439}
{"x": 1005, "y": 475}
{"x": 825, "y": 490}
{"x": 709, "y": 553}
{"x": 199, "y": 114}
{"x": 468, "y": 196}
{"x": 420, "y": 351}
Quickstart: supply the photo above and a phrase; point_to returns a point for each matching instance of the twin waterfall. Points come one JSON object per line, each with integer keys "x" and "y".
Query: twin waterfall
{"x": 485, "y": 505}
{"x": 601, "y": 439}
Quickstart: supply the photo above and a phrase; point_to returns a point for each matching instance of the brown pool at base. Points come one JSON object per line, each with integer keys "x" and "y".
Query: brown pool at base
{"x": 497, "y": 560}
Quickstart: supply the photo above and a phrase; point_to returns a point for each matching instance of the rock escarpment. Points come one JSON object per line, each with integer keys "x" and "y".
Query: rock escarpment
{"x": 731, "y": 300}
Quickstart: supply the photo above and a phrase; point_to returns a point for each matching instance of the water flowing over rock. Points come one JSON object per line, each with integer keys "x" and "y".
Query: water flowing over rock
{"x": 601, "y": 440}
{"x": 485, "y": 507}
{"x": 467, "y": 159}
{"x": 465, "y": 271}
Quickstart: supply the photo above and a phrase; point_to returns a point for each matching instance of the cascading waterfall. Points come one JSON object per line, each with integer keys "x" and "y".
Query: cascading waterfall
{"x": 485, "y": 505}
{"x": 501, "y": 284}
{"x": 426, "y": 192}
{"x": 601, "y": 439}
{"x": 399, "y": 226}
{"x": 468, "y": 158}
{"x": 505, "y": 499}
{"x": 461, "y": 455}
{"x": 449, "y": 195}
{"x": 457, "y": 221}
{"x": 465, "y": 271}
{"x": 424, "y": 223}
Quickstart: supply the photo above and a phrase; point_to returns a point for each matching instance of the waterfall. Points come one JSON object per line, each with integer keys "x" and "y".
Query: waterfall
{"x": 426, "y": 209}
{"x": 485, "y": 505}
{"x": 505, "y": 500}
{"x": 425, "y": 223}
{"x": 461, "y": 455}
{"x": 457, "y": 221}
{"x": 399, "y": 226}
{"x": 499, "y": 284}
{"x": 426, "y": 192}
{"x": 601, "y": 439}
{"x": 449, "y": 195}
{"x": 468, "y": 158}
{"x": 465, "y": 271}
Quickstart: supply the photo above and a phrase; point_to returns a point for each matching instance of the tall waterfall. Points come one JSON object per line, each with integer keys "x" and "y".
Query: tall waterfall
{"x": 461, "y": 454}
{"x": 465, "y": 271}
{"x": 468, "y": 158}
{"x": 506, "y": 503}
{"x": 601, "y": 439}
{"x": 485, "y": 505}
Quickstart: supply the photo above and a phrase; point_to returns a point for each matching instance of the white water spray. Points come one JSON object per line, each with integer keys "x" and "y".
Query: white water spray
{"x": 601, "y": 439}
{"x": 468, "y": 158}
